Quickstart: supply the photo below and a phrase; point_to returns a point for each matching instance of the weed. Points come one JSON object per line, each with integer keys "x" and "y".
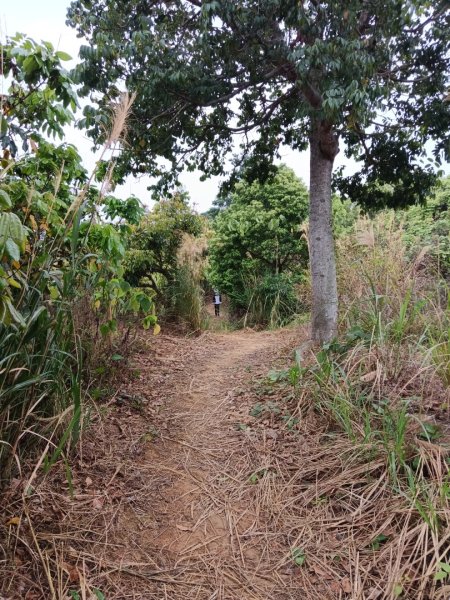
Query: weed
{"x": 443, "y": 573}
{"x": 150, "y": 435}
{"x": 377, "y": 542}
{"x": 260, "y": 409}
{"x": 440, "y": 353}
{"x": 393, "y": 436}
{"x": 260, "y": 474}
{"x": 298, "y": 556}
{"x": 241, "y": 427}
{"x": 74, "y": 595}
{"x": 290, "y": 421}
{"x": 430, "y": 432}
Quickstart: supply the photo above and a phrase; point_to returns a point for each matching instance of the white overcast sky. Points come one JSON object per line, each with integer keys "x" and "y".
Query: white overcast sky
{"x": 45, "y": 20}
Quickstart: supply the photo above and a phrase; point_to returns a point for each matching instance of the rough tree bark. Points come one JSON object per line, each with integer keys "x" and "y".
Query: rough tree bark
{"x": 323, "y": 147}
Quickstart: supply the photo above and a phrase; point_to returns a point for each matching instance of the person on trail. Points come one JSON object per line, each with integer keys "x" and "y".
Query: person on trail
{"x": 217, "y": 300}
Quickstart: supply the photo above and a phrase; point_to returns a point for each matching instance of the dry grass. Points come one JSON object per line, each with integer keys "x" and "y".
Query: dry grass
{"x": 215, "y": 503}
{"x": 374, "y": 262}
{"x": 187, "y": 293}
{"x": 114, "y": 135}
{"x": 192, "y": 253}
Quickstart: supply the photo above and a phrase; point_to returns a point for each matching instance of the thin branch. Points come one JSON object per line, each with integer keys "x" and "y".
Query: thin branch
{"x": 440, "y": 11}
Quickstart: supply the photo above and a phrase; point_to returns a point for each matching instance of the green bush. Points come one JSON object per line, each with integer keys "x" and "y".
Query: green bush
{"x": 151, "y": 258}
{"x": 258, "y": 249}
{"x": 270, "y": 300}
{"x": 61, "y": 263}
{"x": 429, "y": 226}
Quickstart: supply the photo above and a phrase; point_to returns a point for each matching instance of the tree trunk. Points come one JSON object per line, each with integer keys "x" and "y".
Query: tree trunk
{"x": 324, "y": 147}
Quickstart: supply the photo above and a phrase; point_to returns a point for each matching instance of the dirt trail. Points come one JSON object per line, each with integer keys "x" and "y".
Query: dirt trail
{"x": 202, "y": 451}
{"x": 205, "y": 530}
{"x": 177, "y": 491}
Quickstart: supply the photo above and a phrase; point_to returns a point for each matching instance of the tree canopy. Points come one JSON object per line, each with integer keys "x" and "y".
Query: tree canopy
{"x": 40, "y": 97}
{"x": 375, "y": 71}
{"x": 154, "y": 243}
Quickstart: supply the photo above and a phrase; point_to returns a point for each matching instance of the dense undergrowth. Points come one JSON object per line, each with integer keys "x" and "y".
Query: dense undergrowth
{"x": 63, "y": 294}
{"x": 62, "y": 291}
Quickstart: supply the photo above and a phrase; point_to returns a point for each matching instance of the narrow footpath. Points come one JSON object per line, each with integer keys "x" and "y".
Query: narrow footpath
{"x": 205, "y": 530}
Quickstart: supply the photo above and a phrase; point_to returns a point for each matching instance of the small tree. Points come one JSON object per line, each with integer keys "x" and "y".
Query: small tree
{"x": 369, "y": 74}
{"x": 40, "y": 97}
{"x": 259, "y": 235}
{"x": 155, "y": 242}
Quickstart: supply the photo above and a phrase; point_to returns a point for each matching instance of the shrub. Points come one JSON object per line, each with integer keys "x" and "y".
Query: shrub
{"x": 56, "y": 253}
{"x": 270, "y": 300}
{"x": 379, "y": 393}
{"x": 151, "y": 259}
{"x": 258, "y": 248}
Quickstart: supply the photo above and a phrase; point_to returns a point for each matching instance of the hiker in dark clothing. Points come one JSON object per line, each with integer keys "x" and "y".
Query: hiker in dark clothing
{"x": 217, "y": 300}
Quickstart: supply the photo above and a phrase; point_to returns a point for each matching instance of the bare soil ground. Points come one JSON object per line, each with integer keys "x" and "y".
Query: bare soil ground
{"x": 164, "y": 502}
{"x": 200, "y": 530}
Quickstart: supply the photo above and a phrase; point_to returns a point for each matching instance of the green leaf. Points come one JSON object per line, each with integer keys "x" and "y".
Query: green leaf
{"x": 12, "y": 228}
{"x": 145, "y": 303}
{"x": 149, "y": 321}
{"x": 5, "y": 200}
{"x": 63, "y": 55}
{"x": 105, "y": 328}
{"x": 430, "y": 432}
{"x": 9, "y": 314}
{"x": 254, "y": 478}
{"x": 30, "y": 65}
{"x": 4, "y": 126}
{"x": 12, "y": 249}
{"x": 98, "y": 594}
{"x": 257, "y": 410}
{"x": 444, "y": 572}
{"x": 54, "y": 292}
{"x": 445, "y": 567}
{"x": 275, "y": 376}
{"x": 380, "y": 539}
{"x": 298, "y": 556}
{"x": 14, "y": 283}
{"x": 124, "y": 286}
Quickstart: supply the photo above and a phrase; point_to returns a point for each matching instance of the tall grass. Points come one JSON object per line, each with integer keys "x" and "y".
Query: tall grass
{"x": 41, "y": 356}
{"x": 186, "y": 292}
{"x": 382, "y": 383}
{"x": 269, "y": 300}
